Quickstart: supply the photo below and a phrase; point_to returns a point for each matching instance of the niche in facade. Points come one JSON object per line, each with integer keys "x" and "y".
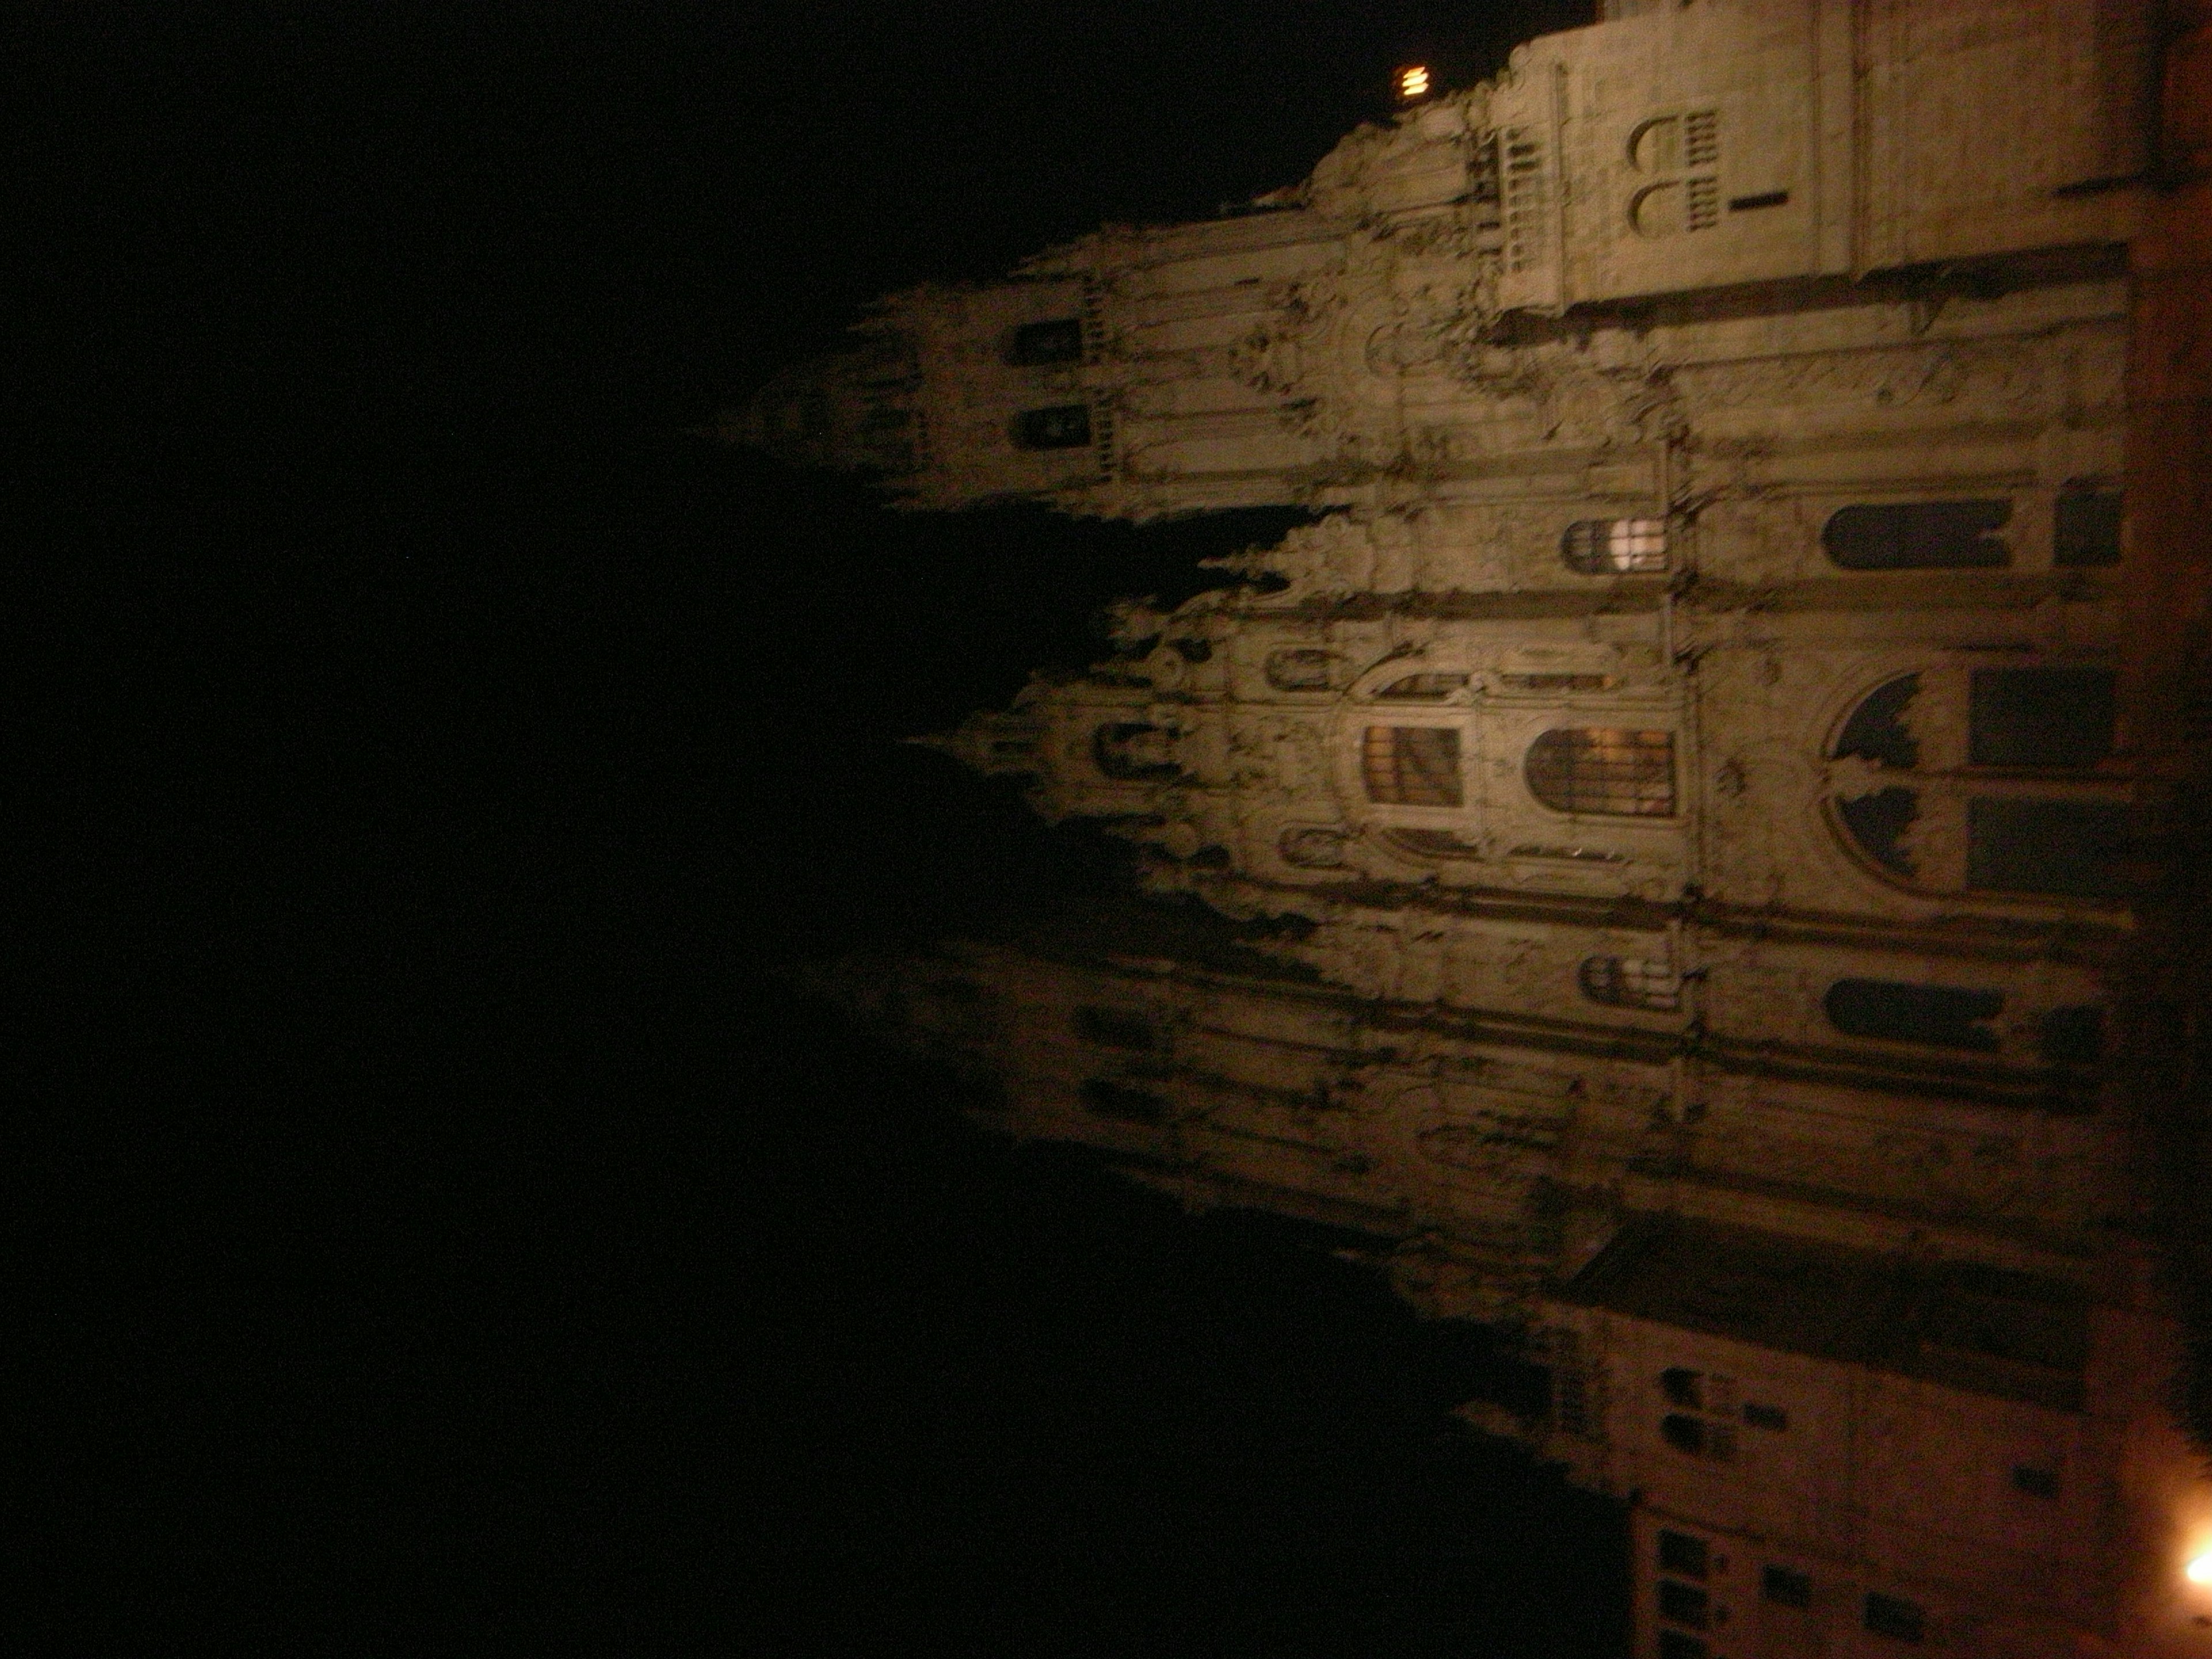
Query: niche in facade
{"x": 1067, "y": 426}
{"x": 1312, "y": 848}
{"x": 1133, "y": 751}
{"x": 1918, "y": 536}
{"x": 1610, "y": 771}
{"x": 1301, "y": 668}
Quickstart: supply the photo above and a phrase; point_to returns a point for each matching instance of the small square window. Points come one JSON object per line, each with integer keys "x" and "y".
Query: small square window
{"x": 1684, "y": 1434}
{"x": 1771, "y": 1418}
{"x": 1787, "y": 1586}
{"x": 1684, "y": 1604}
{"x": 1684, "y": 1387}
{"x": 2034, "y": 1480}
{"x": 1683, "y": 1553}
{"x": 1673, "y": 1644}
{"x": 1897, "y": 1618}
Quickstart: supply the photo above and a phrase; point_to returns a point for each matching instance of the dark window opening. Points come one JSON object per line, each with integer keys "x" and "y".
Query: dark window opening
{"x": 1302, "y": 670}
{"x": 1117, "y": 1028}
{"x": 1067, "y": 427}
{"x": 1057, "y": 342}
{"x": 1765, "y": 199}
{"x": 1212, "y": 856}
{"x": 1684, "y": 1604}
{"x": 1918, "y": 536}
{"x": 1684, "y": 1434}
{"x": 2040, "y": 717}
{"x": 2034, "y": 1481}
{"x": 2074, "y": 1037}
{"x": 1132, "y": 752}
{"x": 1772, "y": 1418}
{"x": 1673, "y": 1644}
{"x": 1878, "y": 823}
{"x": 1194, "y": 650}
{"x": 2069, "y": 849}
{"x": 1620, "y": 773}
{"x": 1411, "y": 765}
{"x": 1876, "y": 730}
{"x": 1684, "y": 1387}
{"x": 2087, "y": 528}
{"x": 1787, "y": 1586}
{"x": 1936, "y": 1016}
{"x": 1683, "y": 1553}
{"x": 1898, "y": 1619}
{"x": 1124, "y": 1104}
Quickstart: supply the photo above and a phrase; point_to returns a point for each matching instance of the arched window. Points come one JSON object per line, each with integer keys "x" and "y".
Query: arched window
{"x": 1300, "y": 669}
{"x": 1602, "y": 769}
{"x": 1065, "y": 427}
{"x": 1034, "y": 344}
{"x": 1133, "y": 751}
{"x": 1934, "y": 1016}
{"x": 1312, "y": 848}
{"x": 1615, "y": 547}
{"x": 1987, "y": 780}
{"x": 1918, "y": 536}
{"x": 1628, "y": 983}
{"x": 1411, "y": 765}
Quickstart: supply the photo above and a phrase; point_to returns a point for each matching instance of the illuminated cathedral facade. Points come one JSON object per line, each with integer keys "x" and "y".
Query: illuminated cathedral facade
{"x": 1680, "y": 786}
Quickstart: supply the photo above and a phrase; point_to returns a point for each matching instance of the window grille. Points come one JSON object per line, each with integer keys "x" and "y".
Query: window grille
{"x": 1918, "y": 536}
{"x": 1312, "y": 848}
{"x": 1066, "y": 426}
{"x": 1620, "y": 773}
{"x": 1304, "y": 669}
{"x": 1701, "y": 139}
{"x": 1626, "y": 982}
{"x": 1038, "y": 343}
{"x": 1411, "y": 765}
{"x": 2070, "y": 848}
{"x": 1422, "y": 688}
{"x": 1611, "y": 547}
{"x": 1701, "y": 204}
{"x": 2087, "y": 527}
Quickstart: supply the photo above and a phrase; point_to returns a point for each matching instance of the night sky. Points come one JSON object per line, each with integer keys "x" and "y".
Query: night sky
{"x": 452, "y": 1235}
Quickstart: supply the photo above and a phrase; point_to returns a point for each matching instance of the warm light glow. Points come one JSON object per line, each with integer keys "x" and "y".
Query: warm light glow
{"x": 2199, "y": 1571}
{"x": 1413, "y": 83}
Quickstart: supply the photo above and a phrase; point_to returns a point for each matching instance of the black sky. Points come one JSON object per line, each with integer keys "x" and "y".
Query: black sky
{"x": 461, "y": 1238}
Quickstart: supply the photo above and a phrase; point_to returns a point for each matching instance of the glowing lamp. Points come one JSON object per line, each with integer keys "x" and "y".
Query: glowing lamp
{"x": 1413, "y": 83}
{"x": 2199, "y": 1571}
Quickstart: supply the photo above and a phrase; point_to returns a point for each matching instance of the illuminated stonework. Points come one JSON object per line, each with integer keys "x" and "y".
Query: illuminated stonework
{"x": 1673, "y": 793}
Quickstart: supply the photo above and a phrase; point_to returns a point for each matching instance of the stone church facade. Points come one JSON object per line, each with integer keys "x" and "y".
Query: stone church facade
{"x": 1680, "y": 786}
